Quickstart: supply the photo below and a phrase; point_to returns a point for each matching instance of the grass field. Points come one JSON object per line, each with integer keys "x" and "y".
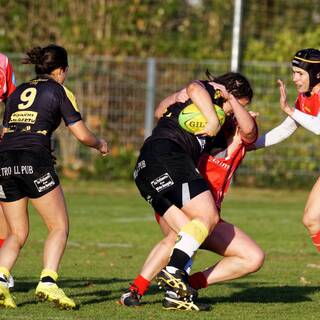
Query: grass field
{"x": 112, "y": 230}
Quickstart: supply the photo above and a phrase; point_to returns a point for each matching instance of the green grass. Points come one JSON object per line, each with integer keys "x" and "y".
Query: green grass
{"x": 112, "y": 230}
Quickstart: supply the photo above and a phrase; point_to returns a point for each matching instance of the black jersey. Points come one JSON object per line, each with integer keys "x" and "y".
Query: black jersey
{"x": 34, "y": 110}
{"x": 168, "y": 126}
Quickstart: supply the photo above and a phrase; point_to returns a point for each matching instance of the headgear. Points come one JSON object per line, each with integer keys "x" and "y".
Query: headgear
{"x": 309, "y": 60}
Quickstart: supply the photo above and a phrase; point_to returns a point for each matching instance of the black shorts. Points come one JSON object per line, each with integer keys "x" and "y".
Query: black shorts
{"x": 26, "y": 174}
{"x": 165, "y": 175}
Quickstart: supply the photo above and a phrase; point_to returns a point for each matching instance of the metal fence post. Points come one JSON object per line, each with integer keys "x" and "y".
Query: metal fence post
{"x": 236, "y": 35}
{"x": 150, "y": 97}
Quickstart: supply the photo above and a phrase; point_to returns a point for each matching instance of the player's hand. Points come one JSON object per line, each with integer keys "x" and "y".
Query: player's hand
{"x": 283, "y": 98}
{"x": 223, "y": 90}
{"x": 210, "y": 130}
{"x": 103, "y": 147}
{"x": 254, "y": 114}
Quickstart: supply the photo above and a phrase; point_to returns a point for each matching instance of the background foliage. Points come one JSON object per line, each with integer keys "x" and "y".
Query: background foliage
{"x": 110, "y": 42}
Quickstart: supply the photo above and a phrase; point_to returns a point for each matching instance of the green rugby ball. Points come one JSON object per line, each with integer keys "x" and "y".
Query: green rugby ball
{"x": 192, "y": 120}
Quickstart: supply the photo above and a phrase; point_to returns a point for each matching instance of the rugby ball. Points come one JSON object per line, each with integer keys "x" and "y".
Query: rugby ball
{"x": 192, "y": 120}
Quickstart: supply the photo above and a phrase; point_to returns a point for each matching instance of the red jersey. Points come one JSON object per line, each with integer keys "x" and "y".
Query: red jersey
{"x": 309, "y": 105}
{"x": 219, "y": 168}
{"x": 7, "y": 80}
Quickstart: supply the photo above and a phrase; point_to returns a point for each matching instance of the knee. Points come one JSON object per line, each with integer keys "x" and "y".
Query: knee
{"x": 169, "y": 241}
{"x": 310, "y": 220}
{"x": 254, "y": 260}
{"x": 19, "y": 237}
{"x": 61, "y": 228}
{"x": 209, "y": 221}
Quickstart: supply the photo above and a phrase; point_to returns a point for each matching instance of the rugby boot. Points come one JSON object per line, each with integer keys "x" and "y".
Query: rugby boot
{"x": 172, "y": 301}
{"x": 6, "y": 300}
{"x": 178, "y": 283}
{"x": 131, "y": 298}
{"x": 55, "y": 294}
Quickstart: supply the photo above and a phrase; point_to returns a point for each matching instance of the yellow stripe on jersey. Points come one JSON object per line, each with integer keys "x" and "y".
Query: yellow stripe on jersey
{"x": 72, "y": 98}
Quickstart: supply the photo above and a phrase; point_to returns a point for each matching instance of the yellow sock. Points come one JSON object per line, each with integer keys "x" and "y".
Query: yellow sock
{"x": 196, "y": 230}
{"x": 49, "y": 273}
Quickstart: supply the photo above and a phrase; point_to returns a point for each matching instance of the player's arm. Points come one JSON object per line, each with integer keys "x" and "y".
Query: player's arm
{"x": 246, "y": 123}
{"x": 86, "y": 137}
{"x": 179, "y": 96}
{"x": 201, "y": 98}
{"x": 277, "y": 134}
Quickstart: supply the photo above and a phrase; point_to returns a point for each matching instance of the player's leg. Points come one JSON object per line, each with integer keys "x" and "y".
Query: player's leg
{"x": 311, "y": 217}
{"x": 17, "y": 218}
{"x": 203, "y": 215}
{"x": 156, "y": 260}
{"x": 241, "y": 256}
{"x": 52, "y": 209}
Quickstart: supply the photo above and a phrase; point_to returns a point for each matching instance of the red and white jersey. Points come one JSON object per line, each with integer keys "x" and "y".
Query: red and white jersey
{"x": 309, "y": 105}
{"x": 7, "y": 80}
{"x": 219, "y": 168}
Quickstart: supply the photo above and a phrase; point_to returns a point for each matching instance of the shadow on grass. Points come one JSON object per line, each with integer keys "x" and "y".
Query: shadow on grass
{"x": 24, "y": 285}
{"x": 275, "y": 294}
{"x": 257, "y": 294}
{"x": 89, "y": 296}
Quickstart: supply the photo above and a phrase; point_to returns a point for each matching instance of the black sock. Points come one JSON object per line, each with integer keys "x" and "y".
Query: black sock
{"x": 47, "y": 279}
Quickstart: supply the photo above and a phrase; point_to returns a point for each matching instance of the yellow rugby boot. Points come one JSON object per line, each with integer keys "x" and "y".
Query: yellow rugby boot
{"x": 49, "y": 291}
{"x": 6, "y": 300}
{"x": 55, "y": 294}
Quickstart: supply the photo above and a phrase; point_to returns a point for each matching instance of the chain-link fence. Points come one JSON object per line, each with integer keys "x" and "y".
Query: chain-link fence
{"x": 113, "y": 97}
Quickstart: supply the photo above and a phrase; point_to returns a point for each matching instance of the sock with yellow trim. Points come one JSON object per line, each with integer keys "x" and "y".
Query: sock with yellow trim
{"x": 48, "y": 276}
{"x": 188, "y": 242}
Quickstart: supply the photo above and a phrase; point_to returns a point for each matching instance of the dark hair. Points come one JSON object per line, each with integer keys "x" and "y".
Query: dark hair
{"x": 47, "y": 59}
{"x": 235, "y": 83}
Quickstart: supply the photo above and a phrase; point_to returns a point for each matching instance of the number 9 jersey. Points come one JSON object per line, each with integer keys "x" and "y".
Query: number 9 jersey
{"x": 34, "y": 110}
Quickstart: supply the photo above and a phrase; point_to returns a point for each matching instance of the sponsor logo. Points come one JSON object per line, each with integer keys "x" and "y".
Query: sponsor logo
{"x": 140, "y": 165}
{"x": 16, "y": 170}
{"x": 219, "y": 163}
{"x": 24, "y": 117}
{"x": 162, "y": 182}
{"x": 44, "y": 182}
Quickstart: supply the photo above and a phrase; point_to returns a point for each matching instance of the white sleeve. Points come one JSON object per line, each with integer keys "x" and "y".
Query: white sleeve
{"x": 277, "y": 134}
{"x": 307, "y": 121}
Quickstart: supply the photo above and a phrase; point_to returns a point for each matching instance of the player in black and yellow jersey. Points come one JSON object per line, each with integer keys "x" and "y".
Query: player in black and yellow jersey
{"x": 32, "y": 114}
{"x": 167, "y": 177}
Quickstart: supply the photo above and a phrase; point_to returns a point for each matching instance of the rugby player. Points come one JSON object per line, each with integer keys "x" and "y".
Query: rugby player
{"x": 305, "y": 113}
{"x": 7, "y": 86}
{"x": 32, "y": 113}
{"x": 241, "y": 253}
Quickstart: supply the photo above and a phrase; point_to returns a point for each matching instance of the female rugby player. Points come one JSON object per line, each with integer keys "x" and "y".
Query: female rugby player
{"x": 306, "y": 113}
{"x": 191, "y": 194}
{"x": 7, "y": 86}
{"x": 33, "y": 112}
